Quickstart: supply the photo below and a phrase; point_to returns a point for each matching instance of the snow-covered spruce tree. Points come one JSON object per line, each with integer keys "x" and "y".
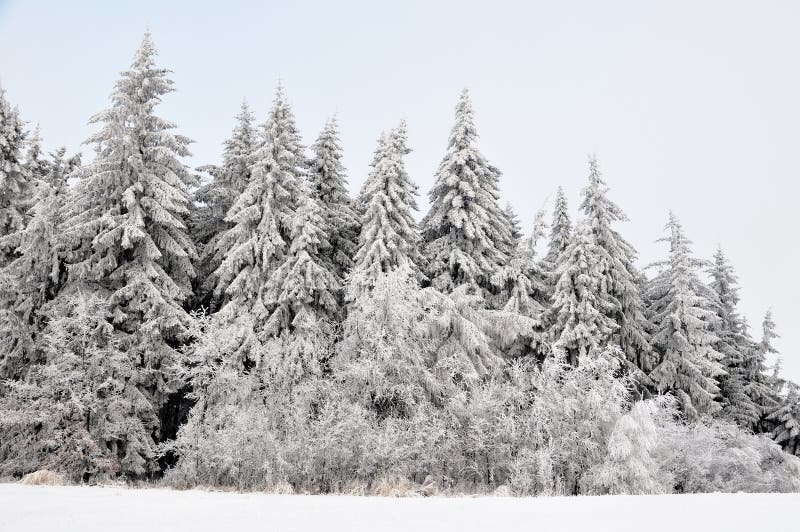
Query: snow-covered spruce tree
{"x": 783, "y": 419}
{"x": 126, "y": 237}
{"x": 15, "y": 180}
{"x": 684, "y": 320}
{"x": 214, "y": 199}
{"x": 389, "y": 235}
{"x": 79, "y": 412}
{"x": 622, "y": 279}
{"x": 560, "y": 232}
{"x": 514, "y": 225}
{"x": 329, "y": 188}
{"x": 759, "y": 376}
{"x": 745, "y": 389}
{"x": 466, "y": 232}
{"x": 523, "y": 287}
{"x": 769, "y": 351}
{"x": 578, "y": 317}
{"x": 37, "y": 273}
{"x": 35, "y": 163}
{"x": 303, "y": 295}
{"x": 361, "y": 201}
{"x": 786, "y": 420}
{"x": 262, "y": 219}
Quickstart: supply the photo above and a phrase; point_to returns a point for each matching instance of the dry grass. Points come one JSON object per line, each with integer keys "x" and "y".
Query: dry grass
{"x": 43, "y": 477}
{"x": 396, "y": 487}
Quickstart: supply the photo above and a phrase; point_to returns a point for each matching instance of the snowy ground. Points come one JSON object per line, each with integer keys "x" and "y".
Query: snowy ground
{"x": 93, "y": 509}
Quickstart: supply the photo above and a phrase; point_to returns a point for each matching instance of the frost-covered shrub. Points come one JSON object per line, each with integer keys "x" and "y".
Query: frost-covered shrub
{"x": 572, "y": 415}
{"x": 629, "y": 466}
{"x": 718, "y": 456}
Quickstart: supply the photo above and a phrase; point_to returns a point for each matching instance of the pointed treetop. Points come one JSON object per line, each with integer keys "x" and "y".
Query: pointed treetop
{"x": 725, "y": 283}
{"x": 145, "y": 54}
{"x": 464, "y": 132}
{"x": 244, "y": 109}
{"x": 398, "y": 138}
{"x": 679, "y": 243}
{"x": 561, "y": 228}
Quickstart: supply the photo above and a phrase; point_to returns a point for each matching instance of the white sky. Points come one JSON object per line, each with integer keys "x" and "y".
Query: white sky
{"x": 689, "y": 105}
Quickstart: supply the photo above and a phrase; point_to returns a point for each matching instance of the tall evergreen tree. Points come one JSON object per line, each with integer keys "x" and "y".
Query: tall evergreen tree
{"x": 362, "y": 199}
{"x": 684, "y": 320}
{"x": 79, "y": 412}
{"x": 514, "y": 225}
{"x": 36, "y": 275}
{"x": 259, "y": 240}
{"x": 782, "y": 420}
{"x": 524, "y": 290}
{"x": 580, "y": 303}
{"x": 786, "y": 418}
{"x": 767, "y": 350}
{"x": 466, "y": 232}
{"x": 35, "y": 161}
{"x": 622, "y": 279}
{"x": 389, "y": 235}
{"x": 305, "y": 284}
{"x": 522, "y": 281}
{"x": 329, "y": 189}
{"x": 15, "y": 180}
{"x": 560, "y": 229}
{"x": 126, "y": 233}
{"x": 745, "y": 388}
{"x": 214, "y": 199}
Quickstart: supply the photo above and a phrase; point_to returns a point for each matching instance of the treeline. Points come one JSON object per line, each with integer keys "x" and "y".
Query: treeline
{"x": 251, "y": 325}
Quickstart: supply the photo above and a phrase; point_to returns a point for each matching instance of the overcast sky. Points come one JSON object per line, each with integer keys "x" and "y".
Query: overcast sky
{"x": 691, "y": 106}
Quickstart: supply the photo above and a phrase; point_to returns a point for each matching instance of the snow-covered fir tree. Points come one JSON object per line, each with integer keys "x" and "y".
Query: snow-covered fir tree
{"x": 622, "y": 279}
{"x": 80, "y": 411}
{"x": 389, "y": 235}
{"x": 745, "y": 388}
{"x": 126, "y": 236}
{"x": 262, "y": 221}
{"x": 303, "y": 296}
{"x": 769, "y": 351}
{"x": 514, "y": 225}
{"x": 16, "y": 182}
{"x": 579, "y": 314}
{"x": 522, "y": 281}
{"x": 329, "y": 188}
{"x": 362, "y": 199}
{"x": 523, "y": 288}
{"x": 214, "y": 199}
{"x": 466, "y": 232}
{"x": 37, "y": 273}
{"x": 684, "y": 321}
{"x": 783, "y": 417}
{"x": 35, "y": 161}
{"x": 560, "y": 230}
{"x": 786, "y": 418}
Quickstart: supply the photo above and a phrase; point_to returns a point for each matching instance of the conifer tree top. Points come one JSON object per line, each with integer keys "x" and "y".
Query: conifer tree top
{"x": 468, "y": 236}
